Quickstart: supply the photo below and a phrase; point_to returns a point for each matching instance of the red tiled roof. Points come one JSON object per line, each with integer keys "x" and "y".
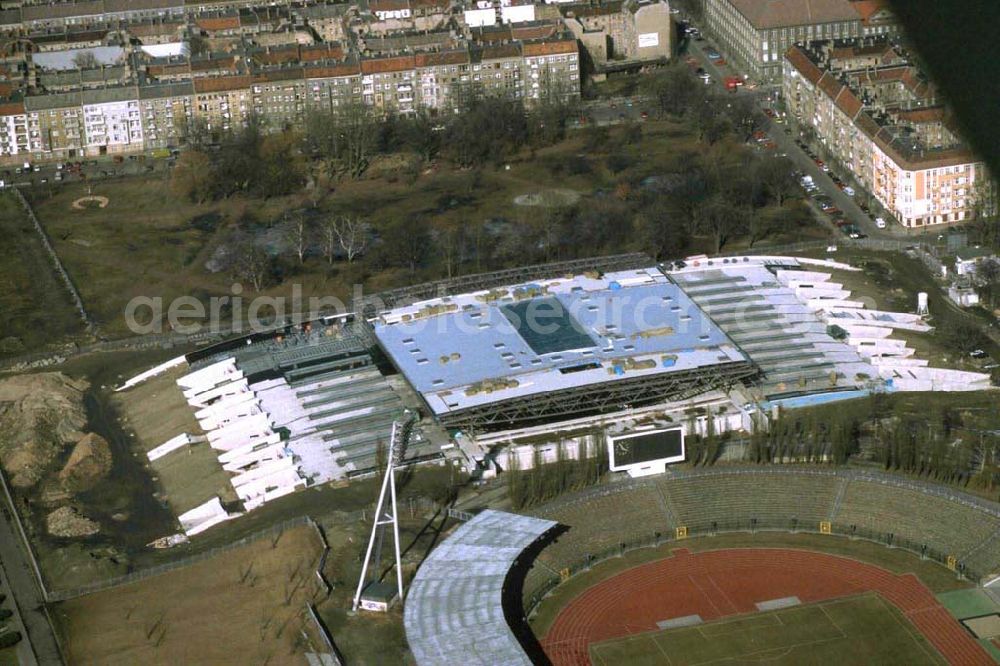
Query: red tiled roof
{"x": 333, "y": 71}
{"x": 278, "y": 56}
{"x": 173, "y": 69}
{"x": 221, "y": 83}
{"x": 550, "y": 48}
{"x": 331, "y": 51}
{"x": 213, "y": 64}
{"x": 868, "y": 8}
{"x": 806, "y": 67}
{"x": 388, "y": 5}
{"x": 383, "y": 65}
{"x": 12, "y": 109}
{"x": 848, "y": 102}
{"x": 533, "y": 32}
{"x": 830, "y": 84}
{"x": 927, "y": 115}
{"x": 215, "y": 23}
{"x": 867, "y": 124}
{"x": 445, "y": 58}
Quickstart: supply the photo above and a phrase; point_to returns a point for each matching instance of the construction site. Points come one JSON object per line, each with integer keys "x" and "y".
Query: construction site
{"x": 512, "y": 369}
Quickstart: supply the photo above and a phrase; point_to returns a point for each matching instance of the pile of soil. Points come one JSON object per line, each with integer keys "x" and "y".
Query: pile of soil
{"x": 40, "y": 415}
{"x": 67, "y": 521}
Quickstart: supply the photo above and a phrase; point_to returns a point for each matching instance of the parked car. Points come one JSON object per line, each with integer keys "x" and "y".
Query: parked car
{"x": 849, "y": 191}
{"x": 880, "y": 222}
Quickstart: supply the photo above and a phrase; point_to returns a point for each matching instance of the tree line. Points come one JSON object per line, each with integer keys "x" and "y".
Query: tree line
{"x": 544, "y": 481}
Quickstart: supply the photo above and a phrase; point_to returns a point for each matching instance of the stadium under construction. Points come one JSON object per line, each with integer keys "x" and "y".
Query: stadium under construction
{"x": 614, "y": 351}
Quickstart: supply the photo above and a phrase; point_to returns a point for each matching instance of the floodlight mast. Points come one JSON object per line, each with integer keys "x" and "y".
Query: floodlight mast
{"x": 386, "y": 514}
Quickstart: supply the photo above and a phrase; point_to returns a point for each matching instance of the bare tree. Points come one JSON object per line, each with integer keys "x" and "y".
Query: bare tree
{"x": 350, "y": 235}
{"x": 85, "y": 60}
{"x": 251, "y": 263}
{"x": 297, "y": 231}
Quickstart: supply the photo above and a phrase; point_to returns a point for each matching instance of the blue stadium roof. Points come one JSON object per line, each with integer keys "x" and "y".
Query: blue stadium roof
{"x": 483, "y": 347}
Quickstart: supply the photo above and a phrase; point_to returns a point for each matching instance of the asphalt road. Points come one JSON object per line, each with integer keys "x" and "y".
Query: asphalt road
{"x": 785, "y": 143}
{"x": 91, "y": 170}
{"x": 39, "y": 643}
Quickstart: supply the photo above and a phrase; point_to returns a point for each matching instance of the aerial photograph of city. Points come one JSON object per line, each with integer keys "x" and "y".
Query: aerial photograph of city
{"x": 499, "y": 332}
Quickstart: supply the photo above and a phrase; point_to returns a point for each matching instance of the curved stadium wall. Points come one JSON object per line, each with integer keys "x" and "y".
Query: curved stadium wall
{"x": 936, "y": 522}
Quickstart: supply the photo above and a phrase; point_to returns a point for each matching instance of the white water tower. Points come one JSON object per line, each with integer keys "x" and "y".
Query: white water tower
{"x": 922, "y": 303}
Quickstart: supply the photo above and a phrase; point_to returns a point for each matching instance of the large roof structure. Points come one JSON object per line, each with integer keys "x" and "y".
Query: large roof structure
{"x": 787, "y": 13}
{"x": 556, "y": 347}
{"x": 454, "y": 611}
{"x": 756, "y": 301}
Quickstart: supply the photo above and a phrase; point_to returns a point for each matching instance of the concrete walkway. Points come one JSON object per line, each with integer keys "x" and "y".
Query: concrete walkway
{"x": 39, "y": 645}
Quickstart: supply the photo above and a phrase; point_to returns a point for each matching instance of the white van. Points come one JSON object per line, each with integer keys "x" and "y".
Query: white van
{"x": 880, "y": 222}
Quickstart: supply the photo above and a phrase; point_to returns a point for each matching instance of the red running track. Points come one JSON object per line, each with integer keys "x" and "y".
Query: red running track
{"x": 718, "y": 583}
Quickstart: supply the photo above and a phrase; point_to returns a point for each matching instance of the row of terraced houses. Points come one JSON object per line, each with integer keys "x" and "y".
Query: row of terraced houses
{"x": 82, "y": 79}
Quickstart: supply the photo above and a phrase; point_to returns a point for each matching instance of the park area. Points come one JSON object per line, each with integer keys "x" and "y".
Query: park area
{"x": 241, "y": 606}
{"x": 655, "y": 187}
{"x": 861, "y": 629}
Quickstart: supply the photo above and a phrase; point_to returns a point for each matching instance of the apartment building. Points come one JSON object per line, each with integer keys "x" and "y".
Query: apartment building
{"x": 621, "y": 31}
{"x": 113, "y": 76}
{"x": 167, "y": 113}
{"x": 879, "y": 117}
{"x": 755, "y": 34}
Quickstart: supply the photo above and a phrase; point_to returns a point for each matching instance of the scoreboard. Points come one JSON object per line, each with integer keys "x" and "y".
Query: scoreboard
{"x": 646, "y": 451}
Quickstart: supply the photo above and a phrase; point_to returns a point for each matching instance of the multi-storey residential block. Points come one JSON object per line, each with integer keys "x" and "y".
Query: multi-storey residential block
{"x": 223, "y": 103}
{"x": 877, "y": 115}
{"x": 756, "y": 33}
{"x": 121, "y": 95}
{"x": 167, "y": 113}
{"x": 619, "y": 32}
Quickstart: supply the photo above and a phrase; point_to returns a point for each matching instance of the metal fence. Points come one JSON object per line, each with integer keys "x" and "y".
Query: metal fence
{"x": 745, "y": 525}
{"x": 67, "y": 281}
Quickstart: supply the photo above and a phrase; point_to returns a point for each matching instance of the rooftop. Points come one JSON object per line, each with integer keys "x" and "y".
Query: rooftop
{"x": 485, "y": 347}
{"x": 454, "y": 609}
{"x": 787, "y": 13}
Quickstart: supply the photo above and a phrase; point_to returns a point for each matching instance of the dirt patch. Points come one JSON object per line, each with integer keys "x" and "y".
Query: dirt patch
{"x": 92, "y": 201}
{"x": 156, "y": 411}
{"x": 244, "y": 606}
{"x": 553, "y": 198}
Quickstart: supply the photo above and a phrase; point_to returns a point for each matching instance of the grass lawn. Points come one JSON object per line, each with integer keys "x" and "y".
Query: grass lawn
{"x": 37, "y": 310}
{"x": 861, "y": 629}
{"x": 240, "y": 607}
{"x": 8, "y": 657}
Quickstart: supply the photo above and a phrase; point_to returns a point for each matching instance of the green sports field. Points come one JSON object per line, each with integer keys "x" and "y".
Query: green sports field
{"x": 861, "y": 629}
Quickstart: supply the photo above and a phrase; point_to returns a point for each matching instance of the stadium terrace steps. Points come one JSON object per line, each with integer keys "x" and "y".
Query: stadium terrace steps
{"x": 838, "y": 500}
{"x": 601, "y": 518}
{"x": 769, "y": 499}
{"x": 604, "y": 521}
{"x": 332, "y": 380}
{"x": 942, "y": 525}
{"x": 985, "y": 556}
